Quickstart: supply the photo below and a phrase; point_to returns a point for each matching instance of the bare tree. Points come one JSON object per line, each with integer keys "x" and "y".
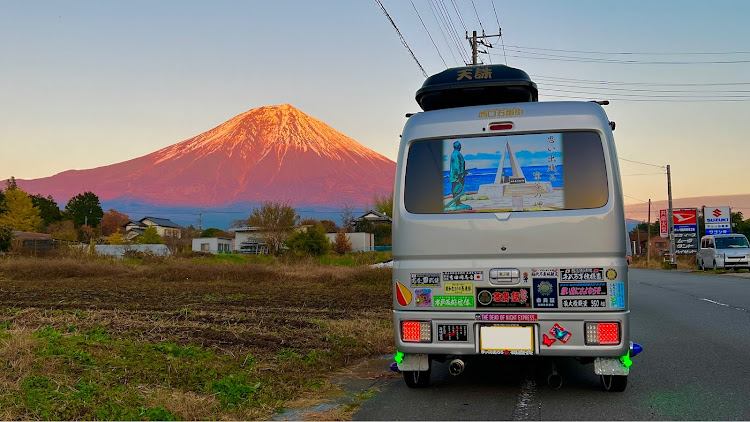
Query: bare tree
{"x": 383, "y": 204}
{"x": 347, "y": 218}
{"x": 275, "y": 221}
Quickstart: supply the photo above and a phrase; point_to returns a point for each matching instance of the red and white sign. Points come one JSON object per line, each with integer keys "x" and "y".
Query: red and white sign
{"x": 663, "y": 224}
{"x": 689, "y": 216}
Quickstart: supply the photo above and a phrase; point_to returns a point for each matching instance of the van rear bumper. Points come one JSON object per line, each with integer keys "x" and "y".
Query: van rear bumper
{"x": 542, "y": 324}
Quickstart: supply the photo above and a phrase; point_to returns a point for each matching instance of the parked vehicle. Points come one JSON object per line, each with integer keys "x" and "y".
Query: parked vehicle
{"x": 508, "y": 229}
{"x": 719, "y": 251}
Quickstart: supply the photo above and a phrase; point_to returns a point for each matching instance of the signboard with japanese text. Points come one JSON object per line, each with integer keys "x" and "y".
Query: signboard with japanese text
{"x": 685, "y": 222}
{"x": 663, "y": 224}
{"x": 718, "y": 220}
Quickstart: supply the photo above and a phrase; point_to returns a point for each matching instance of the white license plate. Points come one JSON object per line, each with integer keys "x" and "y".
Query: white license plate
{"x": 506, "y": 337}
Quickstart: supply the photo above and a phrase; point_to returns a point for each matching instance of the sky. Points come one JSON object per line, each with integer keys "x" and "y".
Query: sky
{"x": 85, "y": 84}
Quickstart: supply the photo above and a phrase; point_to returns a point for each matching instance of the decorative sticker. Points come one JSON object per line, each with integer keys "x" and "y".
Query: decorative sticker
{"x": 584, "y": 303}
{"x": 525, "y": 277}
{"x": 545, "y": 293}
{"x": 617, "y": 295}
{"x": 547, "y": 340}
{"x": 425, "y": 279}
{"x": 423, "y": 297}
{"x": 507, "y": 317}
{"x": 459, "y": 288}
{"x": 403, "y": 294}
{"x": 544, "y": 272}
{"x": 577, "y": 274}
{"x": 508, "y": 352}
{"x": 583, "y": 289}
{"x": 611, "y": 274}
{"x": 452, "y": 332}
{"x": 504, "y": 297}
{"x": 560, "y": 333}
{"x": 439, "y": 301}
{"x": 463, "y": 276}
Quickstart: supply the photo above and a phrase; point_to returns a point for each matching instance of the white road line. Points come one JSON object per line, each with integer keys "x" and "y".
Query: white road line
{"x": 723, "y": 304}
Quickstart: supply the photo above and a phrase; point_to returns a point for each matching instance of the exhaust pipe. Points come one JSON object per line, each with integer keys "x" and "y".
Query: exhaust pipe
{"x": 456, "y": 367}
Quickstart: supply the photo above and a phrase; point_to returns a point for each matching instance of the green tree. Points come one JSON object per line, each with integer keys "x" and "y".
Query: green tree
{"x": 63, "y": 230}
{"x": 275, "y": 221}
{"x": 312, "y": 241}
{"x": 383, "y": 204}
{"x": 20, "y": 213}
{"x": 214, "y": 232}
{"x": 2, "y": 199}
{"x": 11, "y": 184}
{"x": 85, "y": 208}
{"x": 149, "y": 237}
{"x": 48, "y": 209}
{"x": 6, "y": 236}
{"x": 382, "y": 232}
{"x": 330, "y": 226}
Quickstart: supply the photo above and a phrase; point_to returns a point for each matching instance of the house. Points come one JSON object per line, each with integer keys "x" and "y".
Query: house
{"x": 373, "y": 217}
{"x": 164, "y": 227}
{"x": 361, "y": 242}
{"x": 248, "y": 239}
{"x": 659, "y": 245}
{"x": 213, "y": 244}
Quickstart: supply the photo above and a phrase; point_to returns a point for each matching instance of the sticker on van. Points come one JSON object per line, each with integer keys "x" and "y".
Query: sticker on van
{"x": 584, "y": 303}
{"x": 463, "y": 275}
{"x": 617, "y": 295}
{"x": 544, "y": 272}
{"x": 429, "y": 279}
{"x": 459, "y": 289}
{"x": 583, "y": 289}
{"x": 575, "y": 274}
{"x": 441, "y": 301}
{"x": 423, "y": 297}
{"x": 513, "y": 297}
{"x": 545, "y": 293}
{"x": 452, "y": 332}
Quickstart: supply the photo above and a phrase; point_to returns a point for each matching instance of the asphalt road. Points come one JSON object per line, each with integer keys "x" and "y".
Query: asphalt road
{"x": 695, "y": 331}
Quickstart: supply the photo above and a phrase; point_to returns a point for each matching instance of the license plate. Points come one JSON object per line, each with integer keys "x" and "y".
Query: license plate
{"x": 511, "y": 338}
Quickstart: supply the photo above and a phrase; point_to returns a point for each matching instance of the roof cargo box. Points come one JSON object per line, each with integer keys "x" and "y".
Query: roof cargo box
{"x": 476, "y": 85}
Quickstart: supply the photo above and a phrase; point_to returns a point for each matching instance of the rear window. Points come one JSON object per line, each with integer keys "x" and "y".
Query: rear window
{"x": 530, "y": 172}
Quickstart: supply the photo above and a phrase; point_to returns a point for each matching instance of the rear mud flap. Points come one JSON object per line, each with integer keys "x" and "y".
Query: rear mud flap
{"x": 414, "y": 362}
{"x": 610, "y": 366}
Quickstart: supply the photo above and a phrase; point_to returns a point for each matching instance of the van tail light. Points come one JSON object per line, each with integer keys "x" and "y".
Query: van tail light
{"x": 501, "y": 126}
{"x": 416, "y": 331}
{"x": 602, "y": 333}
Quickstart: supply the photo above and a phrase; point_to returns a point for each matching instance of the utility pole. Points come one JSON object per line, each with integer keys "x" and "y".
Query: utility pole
{"x": 200, "y": 221}
{"x": 475, "y": 40}
{"x": 670, "y": 220}
{"x": 648, "y": 242}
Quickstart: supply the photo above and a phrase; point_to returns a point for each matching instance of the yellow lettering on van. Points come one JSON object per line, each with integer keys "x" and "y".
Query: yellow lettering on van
{"x": 492, "y": 113}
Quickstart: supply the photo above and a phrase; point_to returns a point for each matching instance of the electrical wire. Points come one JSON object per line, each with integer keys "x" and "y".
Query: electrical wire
{"x": 445, "y": 28}
{"x": 603, "y": 82}
{"x": 646, "y": 100}
{"x": 450, "y": 26}
{"x": 458, "y": 13}
{"x": 640, "y": 162}
{"x": 687, "y": 91}
{"x": 559, "y": 58}
{"x": 499, "y": 31}
{"x": 477, "y": 13}
{"x": 428, "y": 33}
{"x": 440, "y": 27}
{"x": 632, "y": 53}
{"x": 652, "y": 96}
{"x": 403, "y": 41}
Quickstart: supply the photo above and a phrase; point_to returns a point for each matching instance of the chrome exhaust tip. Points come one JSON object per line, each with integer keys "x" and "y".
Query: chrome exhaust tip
{"x": 456, "y": 367}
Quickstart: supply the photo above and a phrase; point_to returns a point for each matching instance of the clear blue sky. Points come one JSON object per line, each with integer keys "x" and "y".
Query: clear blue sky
{"x": 91, "y": 83}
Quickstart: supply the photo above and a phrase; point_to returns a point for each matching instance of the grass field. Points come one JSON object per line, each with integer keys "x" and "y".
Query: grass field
{"x": 179, "y": 338}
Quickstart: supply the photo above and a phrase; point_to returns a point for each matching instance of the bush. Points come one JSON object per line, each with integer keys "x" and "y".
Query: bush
{"x": 312, "y": 241}
{"x": 6, "y": 235}
{"x": 341, "y": 243}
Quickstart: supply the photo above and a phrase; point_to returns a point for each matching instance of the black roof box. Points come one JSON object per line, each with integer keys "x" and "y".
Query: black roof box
{"x": 476, "y": 85}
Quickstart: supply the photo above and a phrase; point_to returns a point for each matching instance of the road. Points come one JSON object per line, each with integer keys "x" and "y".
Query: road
{"x": 695, "y": 331}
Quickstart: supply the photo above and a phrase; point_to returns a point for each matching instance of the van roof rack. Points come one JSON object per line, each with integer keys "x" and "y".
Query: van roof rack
{"x": 476, "y": 85}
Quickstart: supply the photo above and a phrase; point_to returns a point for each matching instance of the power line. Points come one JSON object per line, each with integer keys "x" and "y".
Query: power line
{"x": 604, "y": 82}
{"x": 499, "y": 31}
{"x": 585, "y": 85}
{"x": 444, "y": 27}
{"x": 651, "y": 96}
{"x": 403, "y": 41}
{"x": 641, "y": 174}
{"x": 477, "y": 13}
{"x": 428, "y": 33}
{"x": 647, "y": 100}
{"x": 632, "y": 52}
{"x": 634, "y": 198}
{"x": 559, "y": 58}
{"x": 442, "y": 32}
{"x": 458, "y": 13}
{"x": 640, "y": 162}
{"x": 448, "y": 19}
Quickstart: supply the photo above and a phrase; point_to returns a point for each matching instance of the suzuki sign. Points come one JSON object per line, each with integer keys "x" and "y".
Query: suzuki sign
{"x": 718, "y": 220}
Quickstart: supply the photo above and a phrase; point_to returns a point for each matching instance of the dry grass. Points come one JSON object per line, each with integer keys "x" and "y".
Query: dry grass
{"x": 684, "y": 262}
{"x": 84, "y": 338}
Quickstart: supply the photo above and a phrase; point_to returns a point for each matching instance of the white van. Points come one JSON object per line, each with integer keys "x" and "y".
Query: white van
{"x": 508, "y": 229}
{"x": 720, "y": 251}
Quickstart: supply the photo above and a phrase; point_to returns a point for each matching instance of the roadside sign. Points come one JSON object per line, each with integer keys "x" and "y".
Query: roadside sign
{"x": 663, "y": 224}
{"x": 718, "y": 220}
{"x": 685, "y": 222}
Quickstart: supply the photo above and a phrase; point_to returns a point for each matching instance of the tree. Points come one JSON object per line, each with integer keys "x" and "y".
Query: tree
{"x": 214, "y": 232}
{"x": 312, "y": 241}
{"x": 113, "y": 221}
{"x": 6, "y": 238}
{"x": 275, "y": 221}
{"x": 20, "y": 213}
{"x": 116, "y": 238}
{"x": 85, "y": 208}
{"x": 2, "y": 199}
{"x": 48, "y": 209}
{"x": 383, "y": 204}
{"x": 341, "y": 243}
{"x": 330, "y": 226}
{"x": 63, "y": 230}
{"x": 309, "y": 221}
{"x": 86, "y": 233}
{"x": 149, "y": 237}
{"x": 347, "y": 217}
{"x": 10, "y": 184}
{"x": 382, "y": 234}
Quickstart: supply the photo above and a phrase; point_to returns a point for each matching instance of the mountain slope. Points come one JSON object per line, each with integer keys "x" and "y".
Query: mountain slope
{"x": 269, "y": 153}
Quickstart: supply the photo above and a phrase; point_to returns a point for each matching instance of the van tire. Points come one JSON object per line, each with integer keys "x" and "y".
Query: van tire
{"x": 715, "y": 267}
{"x": 417, "y": 379}
{"x": 700, "y": 265}
{"x": 614, "y": 383}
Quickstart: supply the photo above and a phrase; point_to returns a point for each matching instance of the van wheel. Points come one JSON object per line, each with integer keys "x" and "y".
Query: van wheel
{"x": 614, "y": 383}
{"x": 715, "y": 267}
{"x": 417, "y": 379}
{"x": 699, "y": 263}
